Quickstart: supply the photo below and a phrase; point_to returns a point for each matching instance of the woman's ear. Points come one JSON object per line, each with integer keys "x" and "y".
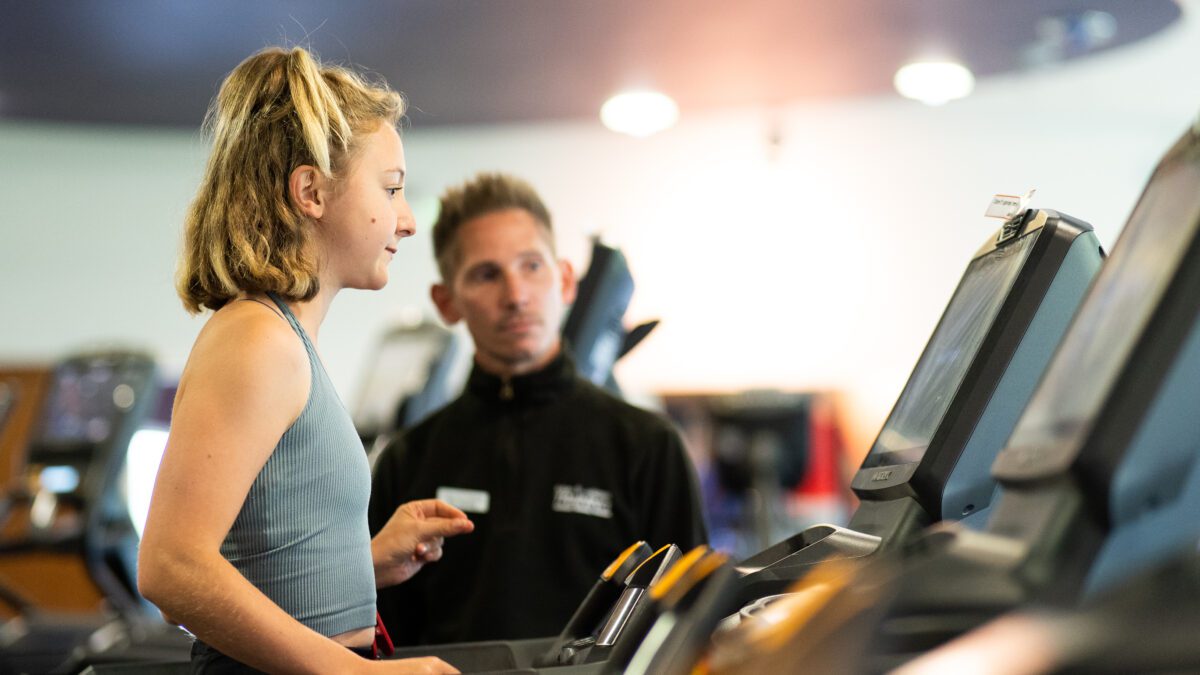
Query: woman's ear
{"x": 306, "y": 187}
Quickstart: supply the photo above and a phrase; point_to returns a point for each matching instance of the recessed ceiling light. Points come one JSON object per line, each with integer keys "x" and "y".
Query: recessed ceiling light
{"x": 639, "y": 113}
{"x": 934, "y": 82}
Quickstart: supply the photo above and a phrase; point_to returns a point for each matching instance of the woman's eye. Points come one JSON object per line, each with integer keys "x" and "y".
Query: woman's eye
{"x": 393, "y": 190}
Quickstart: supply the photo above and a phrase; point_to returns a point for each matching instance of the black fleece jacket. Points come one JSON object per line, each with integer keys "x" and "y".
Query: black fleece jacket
{"x": 571, "y": 476}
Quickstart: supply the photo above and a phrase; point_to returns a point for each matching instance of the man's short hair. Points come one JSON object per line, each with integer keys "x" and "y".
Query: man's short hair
{"x": 485, "y": 193}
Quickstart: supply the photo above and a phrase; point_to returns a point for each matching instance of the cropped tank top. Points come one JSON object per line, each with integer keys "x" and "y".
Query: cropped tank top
{"x": 301, "y": 536}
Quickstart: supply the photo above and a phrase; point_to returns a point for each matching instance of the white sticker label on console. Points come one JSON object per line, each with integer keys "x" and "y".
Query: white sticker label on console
{"x": 470, "y": 501}
{"x": 1007, "y": 206}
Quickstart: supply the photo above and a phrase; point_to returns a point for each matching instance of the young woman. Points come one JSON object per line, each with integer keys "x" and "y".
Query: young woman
{"x": 257, "y": 538}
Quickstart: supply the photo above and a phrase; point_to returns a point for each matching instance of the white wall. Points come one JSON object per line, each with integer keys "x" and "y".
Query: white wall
{"x": 822, "y": 260}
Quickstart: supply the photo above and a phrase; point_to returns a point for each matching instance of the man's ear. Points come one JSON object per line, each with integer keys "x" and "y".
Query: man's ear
{"x": 306, "y": 187}
{"x": 443, "y": 299}
{"x": 569, "y": 283}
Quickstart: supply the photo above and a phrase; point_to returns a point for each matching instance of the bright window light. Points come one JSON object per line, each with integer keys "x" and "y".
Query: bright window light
{"x": 934, "y": 82}
{"x": 141, "y": 468}
{"x": 639, "y": 113}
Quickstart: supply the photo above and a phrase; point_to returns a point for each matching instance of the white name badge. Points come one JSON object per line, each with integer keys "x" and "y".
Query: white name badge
{"x": 470, "y": 501}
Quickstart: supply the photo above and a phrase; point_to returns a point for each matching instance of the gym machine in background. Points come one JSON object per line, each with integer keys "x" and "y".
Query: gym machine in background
{"x": 22, "y": 390}
{"x": 770, "y": 463}
{"x": 415, "y": 370}
{"x": 68, "y": 546}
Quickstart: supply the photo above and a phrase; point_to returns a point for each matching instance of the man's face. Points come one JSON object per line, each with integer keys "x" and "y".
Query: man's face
{"x": 510, "y": 290}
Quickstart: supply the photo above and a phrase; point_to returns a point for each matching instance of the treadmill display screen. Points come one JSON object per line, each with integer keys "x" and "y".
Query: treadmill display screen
{"x": 1116, "y": 310}
{"x": 84, "y": 404}
{"x": 953, "y": 347}
{"x": 401, "y": 367}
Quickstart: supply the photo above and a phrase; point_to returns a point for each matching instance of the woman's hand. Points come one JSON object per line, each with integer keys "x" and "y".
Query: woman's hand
{"x": 427, "y": 665}
{"x": 412, "y": 537}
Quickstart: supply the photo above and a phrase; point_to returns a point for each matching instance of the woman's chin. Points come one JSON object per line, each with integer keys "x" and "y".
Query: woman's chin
{"x": 375, "y": 283}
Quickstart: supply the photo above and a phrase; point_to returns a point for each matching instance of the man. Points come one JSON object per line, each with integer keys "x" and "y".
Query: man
{"x": 558, "y": 476}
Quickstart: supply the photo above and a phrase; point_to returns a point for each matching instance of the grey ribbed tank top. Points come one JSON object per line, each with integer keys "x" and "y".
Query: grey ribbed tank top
{"x": 302, "y": 536}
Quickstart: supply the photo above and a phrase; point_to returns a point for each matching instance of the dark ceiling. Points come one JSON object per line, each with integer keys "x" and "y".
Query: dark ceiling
{"x": 158, "y": 62}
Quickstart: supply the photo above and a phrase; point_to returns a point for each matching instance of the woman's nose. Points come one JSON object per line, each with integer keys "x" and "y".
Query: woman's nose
{"x": 405, "y": 226}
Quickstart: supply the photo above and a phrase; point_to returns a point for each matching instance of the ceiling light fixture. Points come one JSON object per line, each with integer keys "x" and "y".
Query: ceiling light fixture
{"x": 639, "y": 113}
{"x": 934, "y": 82}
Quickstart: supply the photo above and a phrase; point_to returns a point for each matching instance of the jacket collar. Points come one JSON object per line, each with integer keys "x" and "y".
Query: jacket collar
{"x": 539, "y": 386}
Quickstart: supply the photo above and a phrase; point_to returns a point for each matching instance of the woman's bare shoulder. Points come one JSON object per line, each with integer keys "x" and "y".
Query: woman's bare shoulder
{"x": 248, "y": 350}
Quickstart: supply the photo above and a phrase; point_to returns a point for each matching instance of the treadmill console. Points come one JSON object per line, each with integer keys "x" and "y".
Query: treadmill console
{"x": 942, "y": 368}
{"x": 1107, "y": 329}
{"x": 92, "y": 410}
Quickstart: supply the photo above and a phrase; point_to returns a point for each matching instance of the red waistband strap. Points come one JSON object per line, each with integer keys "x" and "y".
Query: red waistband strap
{"x": 383, "y": 642}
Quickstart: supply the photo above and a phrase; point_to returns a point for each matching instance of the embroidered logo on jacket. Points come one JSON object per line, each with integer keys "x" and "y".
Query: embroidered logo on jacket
{"x": 578, "y": 499}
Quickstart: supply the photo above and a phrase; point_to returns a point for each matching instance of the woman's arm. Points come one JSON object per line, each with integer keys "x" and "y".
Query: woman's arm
{"x": 246, "y": 381}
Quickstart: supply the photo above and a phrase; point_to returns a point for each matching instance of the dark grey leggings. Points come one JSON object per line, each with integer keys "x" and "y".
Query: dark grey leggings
{"x": 208, "y": 661}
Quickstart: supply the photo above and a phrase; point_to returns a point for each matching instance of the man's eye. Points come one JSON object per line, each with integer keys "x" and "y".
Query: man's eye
{"x": 393, "y": 190}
